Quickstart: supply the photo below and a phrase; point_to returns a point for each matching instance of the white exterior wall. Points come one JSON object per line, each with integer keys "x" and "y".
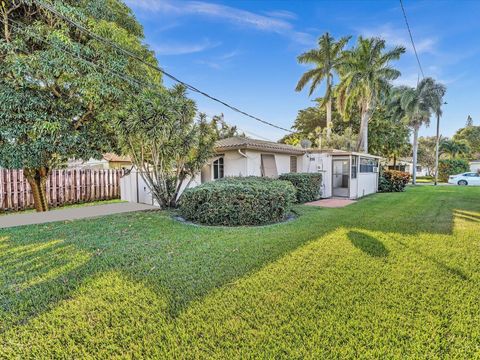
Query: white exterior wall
{"x": 475, "y": 166}
{"x": 254, "y": 162}
{"x": 367, "y": 184}
{"x": 321, "y": 163}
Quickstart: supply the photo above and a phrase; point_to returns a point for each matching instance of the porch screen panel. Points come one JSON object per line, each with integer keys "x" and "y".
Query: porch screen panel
{"x": 269, "y": 167}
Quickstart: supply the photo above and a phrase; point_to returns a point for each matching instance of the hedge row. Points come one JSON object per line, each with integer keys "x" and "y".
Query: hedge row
{"x": 308, "y": 185}
{"x": 393, "y": 181}
{"x": 447, "y": 167}
{"x": 238, "y": 201}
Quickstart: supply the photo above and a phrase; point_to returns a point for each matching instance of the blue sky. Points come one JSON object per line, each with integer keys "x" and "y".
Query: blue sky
{"x": 244, "y": 52}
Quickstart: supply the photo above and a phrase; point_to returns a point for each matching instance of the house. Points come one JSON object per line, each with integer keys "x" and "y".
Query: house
{"x": 108, "y": 161}
{"x": 345, "y": 174}
{"x": 475, "y": 165}
{"x": 406, "y": 165}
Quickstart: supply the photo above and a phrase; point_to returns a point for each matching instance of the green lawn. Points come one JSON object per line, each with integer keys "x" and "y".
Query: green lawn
{"x": 392, "y": 276}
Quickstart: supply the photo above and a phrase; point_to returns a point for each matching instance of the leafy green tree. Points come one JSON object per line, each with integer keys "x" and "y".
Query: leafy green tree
{"x": 471, "y": 136}
{"x": 327, "y": 58}
{"x": 389, "y": 136}
{"x": 55, "y": 104}
{"x": 454, "y": 148}
{"x": 224, "y": 130}
{"x": 164, "y": 141}
{"x": 417, "y": 106}
{"x": 426, "y": 152}
{"x": 365, "y": 75}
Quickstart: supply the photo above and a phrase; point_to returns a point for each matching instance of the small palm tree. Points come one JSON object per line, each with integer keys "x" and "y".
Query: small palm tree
{"x": 454, "y": 148}
{"x": 365, "y": 77}
{"x": 326, "y": 58}
{"x": 417, "y": 105}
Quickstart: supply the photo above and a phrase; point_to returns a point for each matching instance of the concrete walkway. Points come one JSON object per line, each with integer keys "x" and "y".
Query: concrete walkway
{"x": 7, "y": 221}
{"x": 331, "y": 203}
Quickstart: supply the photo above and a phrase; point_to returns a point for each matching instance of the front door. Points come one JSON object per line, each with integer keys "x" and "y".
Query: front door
{"x": 341, "y": 178}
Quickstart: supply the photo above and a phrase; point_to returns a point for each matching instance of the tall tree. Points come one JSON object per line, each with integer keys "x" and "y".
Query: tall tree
{"x": 327, "y": 58}
{"x": 454, "y": 148}
{"x": 54, "y": 104}
{"x": 418, "y": 104}
{"x": 471, "y": 135}
{"x": 365, "y": 74}
{"x": 164, "y": 141}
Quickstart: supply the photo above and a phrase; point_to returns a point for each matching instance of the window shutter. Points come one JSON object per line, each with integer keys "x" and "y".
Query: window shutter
{"x": 269, "y": 167}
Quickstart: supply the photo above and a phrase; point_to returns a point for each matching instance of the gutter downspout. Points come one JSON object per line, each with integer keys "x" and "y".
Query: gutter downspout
{"x": 242, "y": 153}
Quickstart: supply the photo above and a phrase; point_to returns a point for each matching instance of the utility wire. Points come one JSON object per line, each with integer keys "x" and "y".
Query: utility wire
{"x": 411, "y": 38}
{"x": 154, "y": 67}
{"x": 22, "y": 27}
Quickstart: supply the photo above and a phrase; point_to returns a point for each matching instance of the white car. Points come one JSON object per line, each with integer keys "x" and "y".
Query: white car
{"x": 468, "y": 178}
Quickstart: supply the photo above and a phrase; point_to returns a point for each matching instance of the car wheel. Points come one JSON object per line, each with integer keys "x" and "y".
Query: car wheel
{"x": 462, "y": 182}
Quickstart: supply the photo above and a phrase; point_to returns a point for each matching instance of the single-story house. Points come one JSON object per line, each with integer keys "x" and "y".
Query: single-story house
{"x": 345, "y": 174}
{"x": 475, "y": 165}
{"x": 406, "y": 165}
{"x": 108, "y": 161}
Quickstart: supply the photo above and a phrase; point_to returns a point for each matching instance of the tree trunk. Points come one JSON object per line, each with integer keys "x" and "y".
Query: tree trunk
{"x": 363, "y": 136}
{"x": 415, "y": 151}
{"x": 395, "y": 161}
{"x": 37, "y": 178}
{"x": 329, "y": 118}
{"x": 437, "y": 145}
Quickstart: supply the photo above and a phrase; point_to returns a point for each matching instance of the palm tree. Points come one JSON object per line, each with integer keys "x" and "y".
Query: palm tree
{"x": 365, "y": 77}
{"x": 418, "y": 104}
{"x": 326, "y": 58}
{"x": 454, "y": 148}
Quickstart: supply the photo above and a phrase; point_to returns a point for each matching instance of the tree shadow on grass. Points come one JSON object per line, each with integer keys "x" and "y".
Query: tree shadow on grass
{"x": 368, "y": 244}
{"x": 184, "y": 263}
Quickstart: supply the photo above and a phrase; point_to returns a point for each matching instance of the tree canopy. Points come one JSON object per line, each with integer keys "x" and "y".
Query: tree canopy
{"x": 58, "y": 87}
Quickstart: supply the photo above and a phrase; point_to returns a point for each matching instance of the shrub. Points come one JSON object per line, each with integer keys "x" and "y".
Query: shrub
{"x": 393, "y": 181}
{"x": 447, "y": 167}
{"x": 308, "y": 185}
{"x": 238, "y": 201}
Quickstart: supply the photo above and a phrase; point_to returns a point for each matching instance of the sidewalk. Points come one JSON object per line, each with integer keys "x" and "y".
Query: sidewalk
{"x": 7, "y": 221}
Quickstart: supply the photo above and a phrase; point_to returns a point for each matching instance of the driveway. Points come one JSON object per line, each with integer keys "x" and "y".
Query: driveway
{"x": 7, "y": 221}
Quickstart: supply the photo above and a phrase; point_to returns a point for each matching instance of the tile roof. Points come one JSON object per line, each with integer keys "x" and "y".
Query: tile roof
{"x": 116, "y": 158}
{"x": 237, "y": 142}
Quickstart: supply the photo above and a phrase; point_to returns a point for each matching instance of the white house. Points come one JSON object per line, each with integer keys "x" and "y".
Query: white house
{"x": 475, "y": 166}
{"x": 407, "y": 166}
{"x": 345, "y": 174}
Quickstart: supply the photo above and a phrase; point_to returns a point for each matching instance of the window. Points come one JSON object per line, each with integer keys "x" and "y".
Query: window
{"x": 367, "y": 165}
{"x": 269, "y": 167}
{"x": 419, "y": 168}
{"x": 218, "y": 168}
{"x": 354, "y": 167}
{"x": 293, "y": 164}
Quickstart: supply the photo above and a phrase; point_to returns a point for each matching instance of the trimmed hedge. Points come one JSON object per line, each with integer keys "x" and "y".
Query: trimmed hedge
{"x": 308, "y": 185}
{"x": 238, "y": 201}
{"x": 393, "y": 181}
{"x": 447, "y": 167}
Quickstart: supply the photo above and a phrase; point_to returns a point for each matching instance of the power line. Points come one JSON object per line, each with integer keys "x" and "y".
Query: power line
{"x": 154, "y": 67}
{"x": 411, "y": 38}
{"x": 22, "y": 27}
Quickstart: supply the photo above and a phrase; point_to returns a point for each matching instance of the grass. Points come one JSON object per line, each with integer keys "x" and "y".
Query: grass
{"x": 392, "y": 276}
{"x": 66, "y": 206}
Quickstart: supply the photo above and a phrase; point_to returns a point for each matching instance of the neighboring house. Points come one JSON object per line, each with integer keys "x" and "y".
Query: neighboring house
{"x": 108, "y": 161}
{"x": 475, "y": 165}
{"x": 407, "y": 166}
{"x": 345, "y": 174}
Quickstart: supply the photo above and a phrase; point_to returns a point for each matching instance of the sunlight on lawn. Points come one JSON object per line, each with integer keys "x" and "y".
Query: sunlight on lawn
{"x": 347, "y": 283}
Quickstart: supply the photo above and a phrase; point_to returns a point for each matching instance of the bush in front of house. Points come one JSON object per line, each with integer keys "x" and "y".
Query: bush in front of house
{"x": 308, "y": 185}
{"x": 447, "y": 167}
{"x": 393, "y": 181}
{"x": 238, "y": 201}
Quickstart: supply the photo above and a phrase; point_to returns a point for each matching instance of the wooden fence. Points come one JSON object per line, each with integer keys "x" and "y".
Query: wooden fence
{"x": 67, "y": 186}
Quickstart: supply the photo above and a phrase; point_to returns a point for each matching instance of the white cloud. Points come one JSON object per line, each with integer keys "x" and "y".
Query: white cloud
{"x": 276, "y": 23}
{"x": 181, "y": 49}
{"x": 400, "y": 37}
